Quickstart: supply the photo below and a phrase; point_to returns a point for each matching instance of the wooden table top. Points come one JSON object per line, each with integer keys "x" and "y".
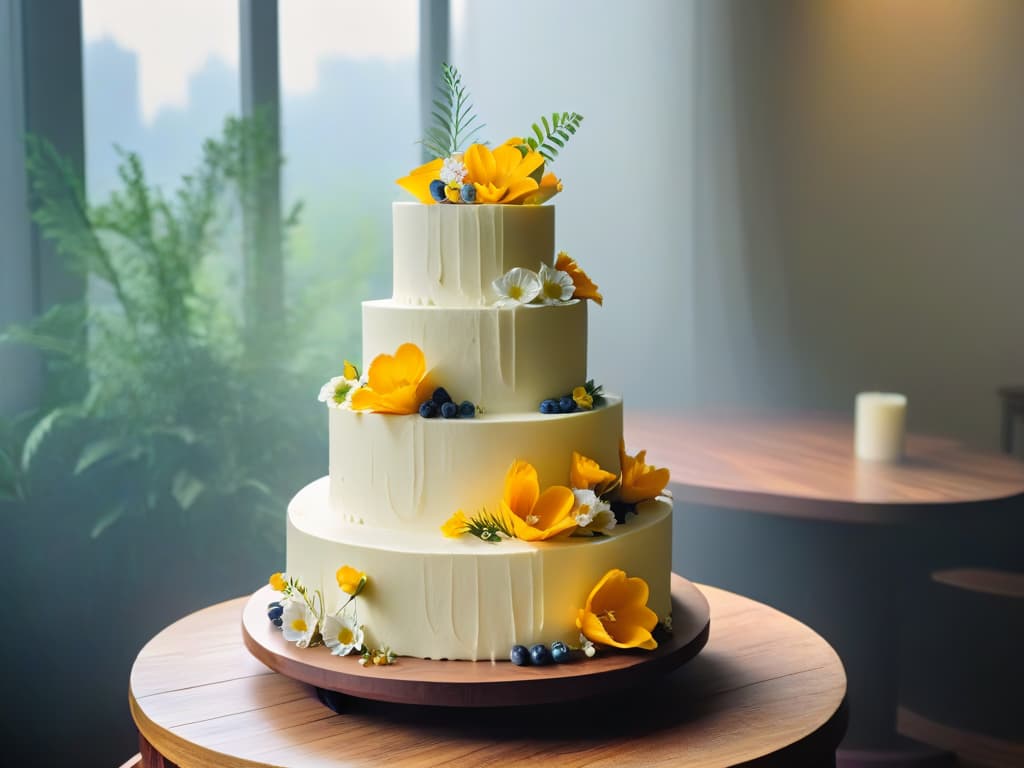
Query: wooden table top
{"x": 803, "y": 465}
{"x": 765, "y": 688}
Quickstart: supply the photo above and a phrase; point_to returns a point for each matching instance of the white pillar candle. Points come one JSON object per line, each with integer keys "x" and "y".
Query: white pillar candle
{"x": 880, "y": 425}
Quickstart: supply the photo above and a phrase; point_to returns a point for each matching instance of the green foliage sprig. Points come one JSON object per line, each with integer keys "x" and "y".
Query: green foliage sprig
{"x": 489, "y": 527}
{"x": 555, "y": 135}
{"x": 596, "y": 392}
{"x": 453, "y": 116}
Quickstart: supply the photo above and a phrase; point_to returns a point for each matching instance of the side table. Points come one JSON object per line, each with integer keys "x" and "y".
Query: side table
{"x": 777, "y": 506}
{"x": 765, "y": 691}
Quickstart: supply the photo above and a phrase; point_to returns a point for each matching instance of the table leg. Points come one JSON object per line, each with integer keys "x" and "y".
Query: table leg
{"x": 150, "y": 757}
{"x": 844, "y": 581}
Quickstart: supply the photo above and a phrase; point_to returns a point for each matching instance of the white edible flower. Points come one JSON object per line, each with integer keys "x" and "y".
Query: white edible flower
{"x": 299, "y": 623}
{"x": 453, "y": 170}
{"x": 556, "y": 286}
{"x": 591, "y": 511}
{"x": 342, "y": 635}
{"x": 517, "y": 286}
{"x": 337, "y": 392}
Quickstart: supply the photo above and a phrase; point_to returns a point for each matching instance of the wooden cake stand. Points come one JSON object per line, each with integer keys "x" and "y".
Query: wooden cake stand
{"x": 480, "y": 683}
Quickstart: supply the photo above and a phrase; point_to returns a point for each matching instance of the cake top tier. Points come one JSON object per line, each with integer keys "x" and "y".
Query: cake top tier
{"x": 450, "y": 255}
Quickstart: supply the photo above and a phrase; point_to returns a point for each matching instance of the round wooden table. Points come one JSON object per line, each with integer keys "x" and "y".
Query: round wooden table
{"x": 776, "y": 506}
{"x": 766, "y": 690}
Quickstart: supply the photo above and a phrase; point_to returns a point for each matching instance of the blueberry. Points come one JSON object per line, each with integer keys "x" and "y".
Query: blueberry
{"x": 550, "y": 406}
{"x": 449, "y": 410}
{"x": 567, "y": 404}
{"x": 540, "y": 655}
{"x": 274, "y": 611}
{"x": 468, "y": 193}
{"x": 519, "y": 655}
{"x": 437, "y": 190}
{"x": 277, "y": 622}
{"x": 428, "y": 409}
{"x": 560, "y": 652}
{"x": 467, "y": 410}
{"x": 441, "y": 396}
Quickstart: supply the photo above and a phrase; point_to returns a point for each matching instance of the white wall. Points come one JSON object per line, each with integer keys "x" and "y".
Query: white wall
{"x": 626, "y": 213}
{"x": 785, "y": 202}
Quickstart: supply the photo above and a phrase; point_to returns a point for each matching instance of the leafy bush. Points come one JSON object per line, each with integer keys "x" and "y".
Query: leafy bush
{"x": 168, "y": 391}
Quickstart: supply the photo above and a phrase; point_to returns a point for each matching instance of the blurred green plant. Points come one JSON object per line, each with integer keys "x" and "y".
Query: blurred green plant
{"x": 157, "y": 392}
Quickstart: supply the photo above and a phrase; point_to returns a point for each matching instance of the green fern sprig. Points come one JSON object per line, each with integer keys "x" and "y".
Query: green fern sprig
{"x": 596, "y": 392}
{"x": 453, "y": 116}
{"x": 555, "y": 135}
{"x": 489, "y": 527}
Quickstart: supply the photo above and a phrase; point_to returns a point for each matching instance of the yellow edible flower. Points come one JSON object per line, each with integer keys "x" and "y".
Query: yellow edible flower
{"x": 640, "y": 481}
{"x": 504, "y": 175}
{"x": 550, "y": 185}
{"x": 350, "y": 580}
{"x": 585, "y": 287}
{"x": 584, "y": 400}
{"x": 350, "y": 372}
{"x": 395, "y": 384}
{"x": 277, "y": 582}
{"x": 616, "y": 613}
{"x": 587, "y": 474}
{"x": 536, "y": 516}
{"x": 455, "y": 526}
{"x": 418, "y": 181}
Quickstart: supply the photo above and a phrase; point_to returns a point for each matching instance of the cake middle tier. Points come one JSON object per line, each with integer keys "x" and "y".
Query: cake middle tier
{"x": 503, "y": 360}
{"x": 407, "y": 472}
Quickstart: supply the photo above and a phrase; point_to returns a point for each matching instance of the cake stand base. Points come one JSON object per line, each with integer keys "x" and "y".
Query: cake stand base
{"x": 477, "y": 683}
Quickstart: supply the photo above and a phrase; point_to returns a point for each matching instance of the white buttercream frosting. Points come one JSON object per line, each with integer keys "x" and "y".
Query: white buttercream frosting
{"x": 411, "y": 473}
{"x": 463, "y": 598}
{"x": 503, "y": 360}
{"x": 450, "y": 255}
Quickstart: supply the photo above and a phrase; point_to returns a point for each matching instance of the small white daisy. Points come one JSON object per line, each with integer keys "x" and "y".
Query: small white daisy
{"x": 342, "y": 635}
{"x": 453, "y": 170}
{"x": 556, "y": 286}
{"x": 338, "y": 392}
{"x": 299, "y": 623}
{"x": 517, "y": 286}
{"x": 592, "y": 512}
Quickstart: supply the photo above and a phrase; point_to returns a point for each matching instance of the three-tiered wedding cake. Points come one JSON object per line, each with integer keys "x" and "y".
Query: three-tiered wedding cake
{"x": 395, "y": 479}
{"x": 470, "y": 527}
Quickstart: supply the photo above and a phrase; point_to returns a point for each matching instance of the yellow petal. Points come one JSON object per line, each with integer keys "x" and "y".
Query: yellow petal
{"x": 521, "y": 489}
{"x": 350, "y": 371}
{"x": 550, "y": 186}
{"x": 640, "y": 482}
{"x": 553, "y": 506}
{"x": 418, "y": 181}
{"x": 455, "y": 526}
{"x": 488, "y": 193}
{"x": 518, "y": 190}
{"x": 587, "y": 473}
{"x": 277, "y": 582}
{"x": 479, "y": 165}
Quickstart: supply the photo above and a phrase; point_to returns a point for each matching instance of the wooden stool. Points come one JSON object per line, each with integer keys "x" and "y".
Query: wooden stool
{"x": 1013, "y": 409}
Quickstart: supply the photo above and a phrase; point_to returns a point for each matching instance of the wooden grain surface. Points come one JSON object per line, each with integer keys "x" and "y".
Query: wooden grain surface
{"x": 468, "y": 684}
{"x": 765, "y": 689}
{"x": 803, "y": 465}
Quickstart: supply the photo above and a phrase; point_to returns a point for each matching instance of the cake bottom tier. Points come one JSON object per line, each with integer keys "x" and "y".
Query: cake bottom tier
{"x": 433, "y": 597}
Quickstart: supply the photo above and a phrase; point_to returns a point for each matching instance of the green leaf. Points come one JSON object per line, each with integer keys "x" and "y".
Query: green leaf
{"x": 555, "y": 134}
{"x": 106, "y": 520}
{"x": 37, "y": 435}
{"x": 97, "y": 451}
{"x": 454, "y": 118}
{"x": 186, "y": 487}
